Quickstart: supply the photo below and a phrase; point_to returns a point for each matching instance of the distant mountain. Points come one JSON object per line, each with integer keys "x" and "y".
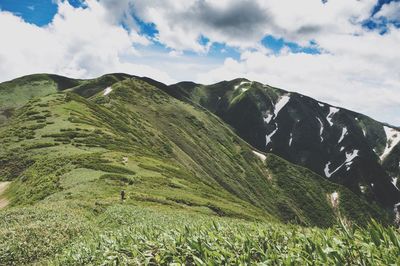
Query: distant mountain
{"x": 345, "y": 147}
{"x": 82, "y": 141}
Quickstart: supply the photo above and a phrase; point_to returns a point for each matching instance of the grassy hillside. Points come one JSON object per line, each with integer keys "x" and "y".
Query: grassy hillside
{"x": 184, "y": 171}
{"x": 16, "y": 93}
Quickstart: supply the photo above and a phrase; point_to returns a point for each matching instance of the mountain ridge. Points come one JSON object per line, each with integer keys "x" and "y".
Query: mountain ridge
{"x": 110, "y": 97}
{"x": 186, "y": 175}
{"x": 185, "y": 91}
{"x": 315, "y": 117}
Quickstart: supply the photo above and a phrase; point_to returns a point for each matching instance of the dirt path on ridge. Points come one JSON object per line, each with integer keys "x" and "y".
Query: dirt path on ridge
{"x": 3, "y": 201}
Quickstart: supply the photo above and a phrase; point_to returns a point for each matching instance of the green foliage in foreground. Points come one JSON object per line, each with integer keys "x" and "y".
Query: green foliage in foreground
{"x": 131, "y": 235}
{"x": 148, "y": 238}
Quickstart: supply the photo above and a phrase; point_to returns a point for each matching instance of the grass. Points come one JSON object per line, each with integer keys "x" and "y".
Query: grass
{"x": 149, "y": 237}
{"x": 195, "y": 191}
{"x": 121, "y": 234}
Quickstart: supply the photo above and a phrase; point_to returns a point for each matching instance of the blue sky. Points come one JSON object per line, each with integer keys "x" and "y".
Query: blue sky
{"x": 338, "y": 51}
{"x": 42, "y": 12}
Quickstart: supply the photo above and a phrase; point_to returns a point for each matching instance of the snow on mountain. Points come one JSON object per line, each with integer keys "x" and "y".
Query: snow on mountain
{"x": 332, "y": 112}
{"x": 344, "y": 133}
{"x": 334, "y": 197}
{"x": 394, "y": 182}
{"x": 321, "y": 129}
{"x": 349, "y": 158}
{"x": 326, "y": 170}
{"x": 269, "y": 136}
{"x": 392, "y": 139}
{"x": 348, "y": 162}
{"x": 107, "y": 91}
{"x": 241, "y": 84}
{"x": 281, "y": 103}
{"x": 260, "y": 155}
{"x": 268, "y": 117}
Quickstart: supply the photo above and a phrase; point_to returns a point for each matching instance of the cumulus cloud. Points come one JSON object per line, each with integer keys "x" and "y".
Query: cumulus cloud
{"x": 356, "y": 68}
{"x": 79, "y": 42}
{"x": 181, "y": 24}
{"x": 356, "y": 73}
{"x": 244, "y": 23}
{"x": 391, "y": 11}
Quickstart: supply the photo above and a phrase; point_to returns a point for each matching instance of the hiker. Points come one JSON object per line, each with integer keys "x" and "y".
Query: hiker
{"x": 122, "y": 195}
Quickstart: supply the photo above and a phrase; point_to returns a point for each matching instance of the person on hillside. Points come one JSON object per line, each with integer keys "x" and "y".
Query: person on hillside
{"x": 122, "y": 195}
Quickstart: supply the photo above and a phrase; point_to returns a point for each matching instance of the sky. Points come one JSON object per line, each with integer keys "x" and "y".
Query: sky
{"x": 343, "y": 52}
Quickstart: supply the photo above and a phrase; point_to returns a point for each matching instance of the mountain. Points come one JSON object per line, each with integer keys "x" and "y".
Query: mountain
{"x": 345, "y": 147}
{"x": 118, "y": 118}
{"x": 70, "y": 146}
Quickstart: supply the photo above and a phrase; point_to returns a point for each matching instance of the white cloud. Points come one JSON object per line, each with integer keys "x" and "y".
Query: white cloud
{"x": 391, "y": 11}
{"x": 181, "y": 23}
{"x": 356, "y": 73}
{"x": 357, "y": 68}
{"x": 79, "y": 42}
{"x": 244, "y": 23}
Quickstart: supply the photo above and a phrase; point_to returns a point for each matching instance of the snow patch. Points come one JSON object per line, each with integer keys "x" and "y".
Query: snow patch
{"x": 321, "y": 104}
{"x": 348, "y": 162}
{"x": 241, "y": 84}
{"x": 349, "y": 158}
{"x": 332, "y": 112}
{"x": 326, "y": 170}
{"x": 269, "y": 136}
{"x": 321, "y": 129}
{"x": 260, "y": 155}
{"x": 334, "y": 197}
{"x": 107, "y": 91}
{"x": 281, "y": 103}
{"x": 342, "y": 148}
{"x": 394, "y": 182}
{"x": 268, "y": 118}
{"x": 363, "y": 188}
{"x": 291, "y": 139}
{"x": 344, "y": 133}
{"x": 392, "y": 139}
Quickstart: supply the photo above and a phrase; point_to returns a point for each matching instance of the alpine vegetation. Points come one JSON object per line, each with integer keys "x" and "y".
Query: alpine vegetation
{"x": 125, "y": 170}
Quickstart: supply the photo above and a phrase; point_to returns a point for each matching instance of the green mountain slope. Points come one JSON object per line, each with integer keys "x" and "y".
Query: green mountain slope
{"x": 146, "y": 137}
{"x": 15, "y": 93}
{"x": 70, "y": 152}
{"x": 345, "y": 147}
